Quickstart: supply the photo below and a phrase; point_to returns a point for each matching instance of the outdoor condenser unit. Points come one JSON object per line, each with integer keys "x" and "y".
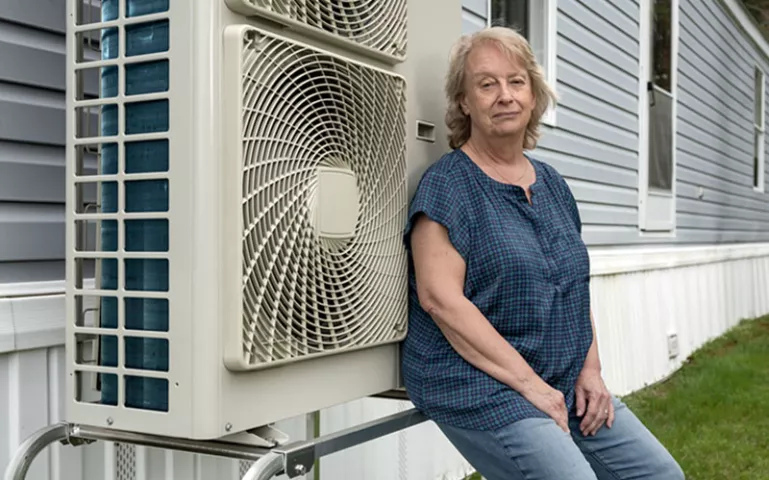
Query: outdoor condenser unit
{"x": 238, "y": 177}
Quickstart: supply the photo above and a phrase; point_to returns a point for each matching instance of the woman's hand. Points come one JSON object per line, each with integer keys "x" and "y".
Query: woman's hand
{"x": 550, "y": 401}
{"x": 593, "y": 401}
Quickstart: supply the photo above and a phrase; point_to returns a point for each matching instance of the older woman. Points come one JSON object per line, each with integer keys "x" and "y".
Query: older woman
{"x": 501, "y": 351}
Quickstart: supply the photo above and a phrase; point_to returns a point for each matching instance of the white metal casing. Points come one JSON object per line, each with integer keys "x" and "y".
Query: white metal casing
{"x": 206, "y": 398}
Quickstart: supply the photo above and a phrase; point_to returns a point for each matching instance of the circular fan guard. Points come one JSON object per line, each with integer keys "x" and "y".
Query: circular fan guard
{"x": 303, "y": 294}
{"x": 376, "y": 24}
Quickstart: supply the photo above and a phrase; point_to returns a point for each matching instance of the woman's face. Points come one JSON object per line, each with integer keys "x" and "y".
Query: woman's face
{"x": 498, "y": 95}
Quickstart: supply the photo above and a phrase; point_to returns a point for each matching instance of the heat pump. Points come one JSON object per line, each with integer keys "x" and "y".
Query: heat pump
{"x": 238, "y": 178}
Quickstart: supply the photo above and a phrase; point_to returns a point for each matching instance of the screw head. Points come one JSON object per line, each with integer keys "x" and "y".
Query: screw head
{"x": 228, "y": 427}
{"x": 299, "y": 469}
{"x": 109, "y": 421}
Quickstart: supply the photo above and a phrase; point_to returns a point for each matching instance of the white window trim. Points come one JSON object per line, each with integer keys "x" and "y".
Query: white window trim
{"x": 656, "y": 210}
{"x": 543, "y": 16}
{"x": 759, "y": 130}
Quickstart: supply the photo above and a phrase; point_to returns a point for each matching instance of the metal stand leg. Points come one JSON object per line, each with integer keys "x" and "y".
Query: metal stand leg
{"x": 32, "y": 446}
{"x": 298, "y": 458}
{"x": 265, "y": 468}
{"x": 294, "y": 459}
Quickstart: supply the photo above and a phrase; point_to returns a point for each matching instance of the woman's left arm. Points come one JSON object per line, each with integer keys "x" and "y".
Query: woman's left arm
{"x": 592, "y": 396}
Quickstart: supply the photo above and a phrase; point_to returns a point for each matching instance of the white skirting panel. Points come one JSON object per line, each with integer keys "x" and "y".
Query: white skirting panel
{"x": 639, "y": 298}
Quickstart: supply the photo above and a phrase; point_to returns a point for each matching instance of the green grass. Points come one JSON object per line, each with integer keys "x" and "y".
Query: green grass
{"x": 713, "y": 414}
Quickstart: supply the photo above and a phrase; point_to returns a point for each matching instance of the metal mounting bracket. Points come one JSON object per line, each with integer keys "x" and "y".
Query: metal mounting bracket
{"x": 294, "y": 459}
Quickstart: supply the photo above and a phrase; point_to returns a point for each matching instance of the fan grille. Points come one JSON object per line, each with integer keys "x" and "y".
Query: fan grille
{"x": 377, "y": 24}
{"x": 305, "y": 111}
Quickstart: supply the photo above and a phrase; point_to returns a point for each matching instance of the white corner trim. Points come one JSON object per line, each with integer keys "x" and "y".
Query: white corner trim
{"x": 743, "y": 19}
{"x": 31, "y": 322}
{"x": 37, "y": 289}
{"x": 28, "y": 289}
{"x": 630, "y": 260}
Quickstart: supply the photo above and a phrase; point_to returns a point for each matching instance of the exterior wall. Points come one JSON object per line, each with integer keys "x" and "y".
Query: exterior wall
{"x": 715, "y": 129}
{"x": 32, "y": 64}
{"x": 593, "y": 141}
{"x": 639, "y": 298}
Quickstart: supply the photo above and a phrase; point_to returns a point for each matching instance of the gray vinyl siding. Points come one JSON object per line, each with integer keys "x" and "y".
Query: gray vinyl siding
{"x": 474, "y": 15}
{"x": 32, "y": 102}
{"x": 715, "y": 129}
{"x": 595, "y": 141}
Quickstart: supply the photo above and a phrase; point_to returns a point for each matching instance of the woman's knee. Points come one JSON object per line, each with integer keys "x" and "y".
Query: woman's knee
{"x": 667, "y": 468}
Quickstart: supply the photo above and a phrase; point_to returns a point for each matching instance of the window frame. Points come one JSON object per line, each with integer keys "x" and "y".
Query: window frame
{"x": 656, "y": 208}
{"x": 542, "y": 14}
{"x": 759, "y": 130}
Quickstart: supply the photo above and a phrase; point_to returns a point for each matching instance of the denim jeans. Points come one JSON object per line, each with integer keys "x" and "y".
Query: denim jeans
{"x": 537, "y": 449}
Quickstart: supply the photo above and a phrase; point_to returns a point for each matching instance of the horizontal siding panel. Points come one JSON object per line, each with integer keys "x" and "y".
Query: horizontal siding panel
{"x": 743, "y": 45}
{"x": 577, "y": 146}
{"x": 32, "y": 66}
{"x": 575, "y": 76}
{"x": 608, "y": 215}
{"x": 569, "y": 28}
{"x": 706, "y": 158}
{"x": 577, "y": 123}
{"x": 23, "y": 122}
{"x": 609, "y": 73}
{"x": 709, "y": 222}
{"x": 711, "y": 205}
{"x": 30, "y": 232}
{"x": 607, "y": 32}
{"x": 471, "y": 22}
{"x": 477, "y": 7}
{"x": 34, "y": 271}
{"x": 612, "y": 22}
{"x": 605, "y": 236}
{"x": 573, "y": 167}
{"x": 740, "y": 194}
{"x": 43, "y": 14}
{"x": 719, "y": 62}
{"x": 25, "y": 182}
{"x": 629, "y": 9}
{"x": 598, "y": 109}
{"x": 695, "y": 77}
{"x": 590, "y": 192}
{"x": 713, "y": 145}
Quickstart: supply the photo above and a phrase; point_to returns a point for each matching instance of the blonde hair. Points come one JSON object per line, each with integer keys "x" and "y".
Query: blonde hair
{"x": 514, "y": 45}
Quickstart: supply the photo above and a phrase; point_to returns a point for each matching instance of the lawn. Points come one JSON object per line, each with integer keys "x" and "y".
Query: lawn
{"x": 713, "y": 414}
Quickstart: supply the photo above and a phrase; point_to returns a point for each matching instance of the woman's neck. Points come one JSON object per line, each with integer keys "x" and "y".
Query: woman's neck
{"x": 501, "y": 151}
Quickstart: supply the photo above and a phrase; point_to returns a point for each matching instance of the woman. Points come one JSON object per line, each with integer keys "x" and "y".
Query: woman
{"x": 501, "y": 351}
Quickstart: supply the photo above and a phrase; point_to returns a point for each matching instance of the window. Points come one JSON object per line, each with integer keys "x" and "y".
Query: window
{"x": 535, "y": 20}
{"x": 759, "y": 124}
{"x": 657, "y": 113}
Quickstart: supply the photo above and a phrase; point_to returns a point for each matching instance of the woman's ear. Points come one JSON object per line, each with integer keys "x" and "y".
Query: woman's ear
{"x": 463, "y": 105}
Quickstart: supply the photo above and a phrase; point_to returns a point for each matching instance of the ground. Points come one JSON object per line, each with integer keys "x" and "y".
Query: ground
{"x": 713, "y": 414}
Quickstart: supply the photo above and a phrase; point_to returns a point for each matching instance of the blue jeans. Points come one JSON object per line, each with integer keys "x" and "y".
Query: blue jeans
{"x": 537, "y": 449}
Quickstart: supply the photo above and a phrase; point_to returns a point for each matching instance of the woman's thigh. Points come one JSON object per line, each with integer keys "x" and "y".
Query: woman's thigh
{"x": 627, "y": 450}
{"x": 532, "y": 449}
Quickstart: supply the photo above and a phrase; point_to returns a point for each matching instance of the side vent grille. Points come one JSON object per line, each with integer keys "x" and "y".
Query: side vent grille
{"x": 122, "y": 207}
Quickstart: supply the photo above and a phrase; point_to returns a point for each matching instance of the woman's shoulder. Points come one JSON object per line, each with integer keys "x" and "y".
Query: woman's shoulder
{"x": 452, "y": 165}
{"x": 449, "y": 172}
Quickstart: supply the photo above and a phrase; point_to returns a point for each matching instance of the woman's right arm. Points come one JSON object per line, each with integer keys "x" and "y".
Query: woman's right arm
{"x": 440, "y": 276}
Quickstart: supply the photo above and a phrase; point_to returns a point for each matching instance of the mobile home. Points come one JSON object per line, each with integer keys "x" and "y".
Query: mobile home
{"x": 659, "y": 131}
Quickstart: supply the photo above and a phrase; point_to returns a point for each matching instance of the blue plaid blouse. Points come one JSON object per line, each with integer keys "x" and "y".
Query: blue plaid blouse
{"x": 528, "y": 272}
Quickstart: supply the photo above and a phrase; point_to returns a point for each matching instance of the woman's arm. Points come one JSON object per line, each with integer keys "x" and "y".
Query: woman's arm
{"x": 440, "y": 276}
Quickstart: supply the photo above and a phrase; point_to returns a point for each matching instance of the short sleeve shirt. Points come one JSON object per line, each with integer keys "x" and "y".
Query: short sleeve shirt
{"x": 527, "y": 271}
